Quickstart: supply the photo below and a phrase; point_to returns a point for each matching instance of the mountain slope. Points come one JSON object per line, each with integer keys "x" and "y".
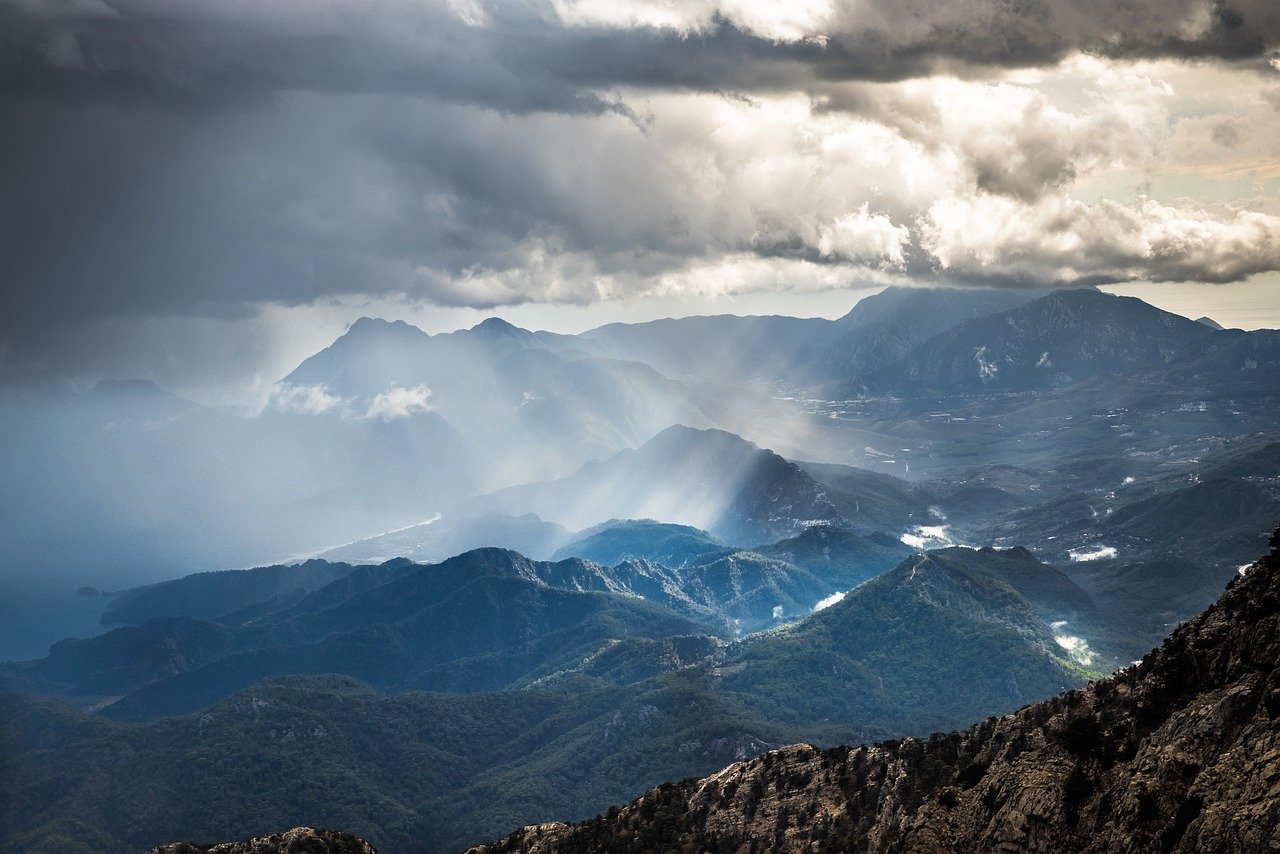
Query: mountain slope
{"x": 211, "y": 594}
{"x": 882, "y": 329}
{"x": 443, "y": 537}
{"x": 721, "y": 348}
{"x": 617, "y": 540}
{"x": 530, "y": 404}
{"x": 607, "y": 699}
{"x": 838, "y": 557}
{"x": 298, "y": 840}
{"x": 870, "y": 501}
{"x": 1178, "y": 753}
{"x": 483, "y": 620}
{"x": 708, "y": 479}
{"x": 1065, "y": 337}
{"x": 878, "y": 659}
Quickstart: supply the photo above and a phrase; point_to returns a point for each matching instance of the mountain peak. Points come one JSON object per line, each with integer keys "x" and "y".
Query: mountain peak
{"x": 497, "y": 327}
{"x": 371, "y": 326}
{"x": 680, "y": 433}
{"x": 1210, "y": 322}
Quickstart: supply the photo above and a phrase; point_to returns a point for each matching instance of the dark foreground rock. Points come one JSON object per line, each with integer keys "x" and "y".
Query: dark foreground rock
{"x": 299, "y": 840}
{"x": 1180, "y": 752}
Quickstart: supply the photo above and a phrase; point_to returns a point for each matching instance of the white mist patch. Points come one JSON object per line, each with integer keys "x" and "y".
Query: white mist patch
{"x": 777, "y": 612}
{"x": 1076, "y": 647}
{"x": 305, "y": 399}
{"x": 399, "y": 403}
{"x": 828, "y": 601}
{"x": 1086, "y": 555}
{"x": 928, "y": 536}
{"x": 435, "y": 517}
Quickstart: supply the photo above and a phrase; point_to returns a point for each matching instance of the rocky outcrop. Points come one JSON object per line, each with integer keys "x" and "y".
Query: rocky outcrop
{"x": 299, "y": 840}
{"x": 1180, "y": 752}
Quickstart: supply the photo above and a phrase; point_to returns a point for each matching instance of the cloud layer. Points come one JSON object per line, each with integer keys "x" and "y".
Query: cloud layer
{"x": 195, "y": 158}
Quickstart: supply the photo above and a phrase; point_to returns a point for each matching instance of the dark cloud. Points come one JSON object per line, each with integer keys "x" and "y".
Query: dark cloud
{"x": 522, "y": 57}
{"x": 191, "y": 157}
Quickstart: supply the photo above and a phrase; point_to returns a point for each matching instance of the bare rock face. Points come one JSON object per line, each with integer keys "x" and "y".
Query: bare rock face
{"x": 1180, "y": 752}
{"x": 299, "y": 840}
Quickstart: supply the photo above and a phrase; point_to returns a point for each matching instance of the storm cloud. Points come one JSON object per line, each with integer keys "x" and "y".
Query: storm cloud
{"x": 206, "y": 159}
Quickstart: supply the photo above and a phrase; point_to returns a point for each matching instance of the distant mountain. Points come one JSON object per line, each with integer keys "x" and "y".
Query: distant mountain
{"x": 932, "y": 626}
{"x": 530, "y": 404}
{"x": 753, "y": 591}
{"x": 1215, "y": 518}
{"x": 870, "y": 501}
{"x": 1210, "y": 322}
{"x": 445, "y": 536}
{"x": 1178, "y": 753}
{"x": 1151, "y": 597}
{"x": 721, "y": 348}
{"x": 805, "y": 352}
{"x": 199, "y": 638}
{"x": 882, "y": 329}
{"x": 619, "y": 540}
{"x": 838, "y": 557}
{"x": 211, "y": 594}
{"x": 373, "y": 353}
{"x": 1228, "y": 361}
{"x": 1210, "y": 518}
{"x": 708, "y": 479}
{"x": 1255, "y": 461}
{"x": 1064, "y": 337}
{"x": 749, "y": 589}
{"x": 480, "y": 621}
{"x": 1051, "y": 593}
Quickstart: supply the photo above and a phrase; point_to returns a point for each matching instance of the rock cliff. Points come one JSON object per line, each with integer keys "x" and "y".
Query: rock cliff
{"x": 299, "y": 840}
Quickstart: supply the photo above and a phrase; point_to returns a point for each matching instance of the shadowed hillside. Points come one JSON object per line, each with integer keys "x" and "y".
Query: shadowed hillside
{"x": 1177, "y": 753}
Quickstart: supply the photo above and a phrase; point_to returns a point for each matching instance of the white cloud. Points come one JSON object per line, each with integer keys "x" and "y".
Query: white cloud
{"x": 790, "y": 21}
{"x": 1076, "y": 647}
{"x": 928, "y": 537}
{"x": 399, "y": 403}
{"x": 828, "y": 601}
{"x": 1062, "y": 239}
{"x": 864, "y": 237}
{"x": 1083, "y": 555}
{"x": 306, "y": 400}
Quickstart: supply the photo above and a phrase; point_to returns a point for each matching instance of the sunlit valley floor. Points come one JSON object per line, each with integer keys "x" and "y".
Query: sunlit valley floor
{"x": 516, "y": 577}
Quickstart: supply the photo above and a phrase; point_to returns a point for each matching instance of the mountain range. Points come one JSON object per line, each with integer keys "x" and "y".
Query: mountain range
{"x": 635, "y": 664}
{"x": 630, "y": 686}
{"x": 502, "y": 576}
{"x": 1176, "y": 753}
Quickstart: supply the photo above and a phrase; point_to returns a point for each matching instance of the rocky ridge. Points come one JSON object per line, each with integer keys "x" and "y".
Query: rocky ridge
{"x": 1180, "y": 752}
{"x": 299, "y": 840}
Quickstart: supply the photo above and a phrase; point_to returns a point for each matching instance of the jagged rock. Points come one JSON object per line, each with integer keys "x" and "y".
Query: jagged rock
{"x": 299, "y": 840}
{"x": 1180, "y": 752}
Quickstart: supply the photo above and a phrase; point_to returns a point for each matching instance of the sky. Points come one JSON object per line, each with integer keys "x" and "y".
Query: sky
{"x": 203, "y": 192}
